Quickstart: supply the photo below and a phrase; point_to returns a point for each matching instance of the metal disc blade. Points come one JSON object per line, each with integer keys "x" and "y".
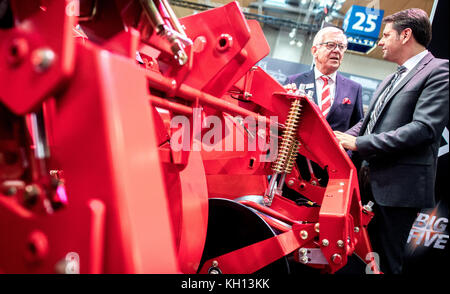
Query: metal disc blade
{"x": 232, "y": 226}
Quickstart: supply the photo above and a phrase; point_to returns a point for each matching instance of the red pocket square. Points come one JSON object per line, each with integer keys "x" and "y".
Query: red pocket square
{"x": 346, "y": 101}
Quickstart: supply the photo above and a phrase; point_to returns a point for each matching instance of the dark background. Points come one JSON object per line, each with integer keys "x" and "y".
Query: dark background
{"x": 431, "y": 260}
{"x": 421, "y": 260}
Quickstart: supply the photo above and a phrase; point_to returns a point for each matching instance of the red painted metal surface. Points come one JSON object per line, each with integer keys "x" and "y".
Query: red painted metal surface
{"x": 91, "y": 181}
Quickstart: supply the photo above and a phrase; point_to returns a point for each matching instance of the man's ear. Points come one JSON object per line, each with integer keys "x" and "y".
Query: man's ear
{"x": 406, "y": 35}
{"x": 313, "y": 51}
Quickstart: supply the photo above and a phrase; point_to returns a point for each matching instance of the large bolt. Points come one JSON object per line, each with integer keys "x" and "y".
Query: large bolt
{"x": 317, "y": 227}
{"x": 340, "y": 243}
{"x": 199, "y": 44}
{"x": 356, "y": 230}
{"x": 304, "y": 259}
{"x": 325, "y": 242}
{"x": 336, "y": 258}
{"x": 368, "y": 206}
{"x": 303, "y": 234}
{"x": 70, "y": 264}
{"x": 303, "y": 251}
{"x": 42, "y": 59}
{"x": 247, "y": 96}
{"x": 214, "y": 270}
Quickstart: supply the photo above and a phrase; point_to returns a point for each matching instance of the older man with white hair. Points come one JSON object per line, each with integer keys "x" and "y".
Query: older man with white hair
{"x": 339, "y": 98}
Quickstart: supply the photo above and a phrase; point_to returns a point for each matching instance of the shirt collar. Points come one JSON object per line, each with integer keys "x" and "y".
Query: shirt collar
{"x": 413, "y": 61}
{"x": 318, "y": 74}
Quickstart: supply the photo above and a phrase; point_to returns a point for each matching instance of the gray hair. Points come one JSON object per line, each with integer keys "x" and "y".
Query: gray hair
{"x": 319, "y": 36}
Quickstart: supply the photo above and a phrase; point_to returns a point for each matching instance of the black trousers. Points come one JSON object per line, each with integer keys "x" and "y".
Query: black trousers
{"x": 389, "y": 229}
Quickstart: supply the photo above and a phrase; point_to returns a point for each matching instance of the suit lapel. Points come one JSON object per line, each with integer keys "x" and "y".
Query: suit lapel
{"x": 383, "y": 86}
{"x": 374, "y": 100}
{"x": 412, "y": 73}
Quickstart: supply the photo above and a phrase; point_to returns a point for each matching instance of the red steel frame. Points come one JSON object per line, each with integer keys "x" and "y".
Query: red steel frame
{"x": 134, "y": 204}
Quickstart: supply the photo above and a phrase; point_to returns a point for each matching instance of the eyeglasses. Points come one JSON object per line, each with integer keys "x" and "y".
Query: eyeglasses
{"x": 332, "y": 45}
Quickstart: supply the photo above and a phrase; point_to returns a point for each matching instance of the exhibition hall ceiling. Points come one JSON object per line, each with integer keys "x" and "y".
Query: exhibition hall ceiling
{"x": 389, "y": 7}
{"x": 289, "y": 12}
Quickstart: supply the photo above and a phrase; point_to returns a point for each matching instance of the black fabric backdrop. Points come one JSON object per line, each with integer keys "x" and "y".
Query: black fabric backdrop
{"x": 429, "y": 259}
{"x": 421, "y": 259}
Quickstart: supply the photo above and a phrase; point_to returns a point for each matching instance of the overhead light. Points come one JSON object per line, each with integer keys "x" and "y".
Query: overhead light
{"x": 299, "y": 44}
{"x": 276, "y": 2}
{"x": 304, "y": 2}
{"x": 338, "y": 6}
{"x": 292, "y": 34}
{"x": 292, "y": 42}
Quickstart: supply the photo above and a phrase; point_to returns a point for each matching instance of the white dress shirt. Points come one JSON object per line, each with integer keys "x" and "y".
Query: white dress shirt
{"x": 410, "y": 64}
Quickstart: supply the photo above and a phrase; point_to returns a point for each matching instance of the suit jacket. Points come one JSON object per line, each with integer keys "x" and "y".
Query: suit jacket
{"x": 403, "y": 147}
{"x": 341, "y": 116}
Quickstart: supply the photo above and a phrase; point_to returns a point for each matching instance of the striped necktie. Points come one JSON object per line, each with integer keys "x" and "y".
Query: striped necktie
{"x": 326, "y": 97}
{"x": 379, "y": 104}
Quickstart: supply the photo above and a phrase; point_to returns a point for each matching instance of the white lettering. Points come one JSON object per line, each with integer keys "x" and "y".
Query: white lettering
{"x": 193, "y": 284}
{"x": 428, "y": 241}
{"x": 441, "y": 241}
{"x": 437, "y": 225}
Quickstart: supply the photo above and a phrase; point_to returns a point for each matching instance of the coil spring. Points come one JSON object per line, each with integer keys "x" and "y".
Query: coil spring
{"x": 287, "y": 152}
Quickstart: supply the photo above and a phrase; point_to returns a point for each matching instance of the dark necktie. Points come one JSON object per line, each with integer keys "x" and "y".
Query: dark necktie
{"x": 379, "y": 104}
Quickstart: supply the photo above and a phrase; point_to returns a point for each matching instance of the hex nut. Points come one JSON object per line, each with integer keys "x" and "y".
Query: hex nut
{"x": 317, "y": 227}
{"x": 303, "y": 234}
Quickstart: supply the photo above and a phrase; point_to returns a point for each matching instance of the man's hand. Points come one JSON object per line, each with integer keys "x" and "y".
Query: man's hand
{"x": 347, "y": 141}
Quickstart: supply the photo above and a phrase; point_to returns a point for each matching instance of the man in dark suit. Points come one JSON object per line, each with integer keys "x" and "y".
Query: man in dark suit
{"x": 399, "y": 138}
{"x": 338, "y": 98}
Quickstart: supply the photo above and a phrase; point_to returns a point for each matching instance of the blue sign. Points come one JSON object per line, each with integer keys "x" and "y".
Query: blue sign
{"x": 363, "y": 21}
{"x": 362, "y": 26}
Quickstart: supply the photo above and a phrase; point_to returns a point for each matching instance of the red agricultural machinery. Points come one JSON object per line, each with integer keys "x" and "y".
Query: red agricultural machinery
{"x": 135, "y": 142}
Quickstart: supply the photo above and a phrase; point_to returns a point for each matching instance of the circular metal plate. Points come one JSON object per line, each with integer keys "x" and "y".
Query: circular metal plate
{"x": 231, "y": 226}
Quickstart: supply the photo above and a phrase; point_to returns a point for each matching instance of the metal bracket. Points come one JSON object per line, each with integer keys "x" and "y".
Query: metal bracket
{"x": 311, "y": 256}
